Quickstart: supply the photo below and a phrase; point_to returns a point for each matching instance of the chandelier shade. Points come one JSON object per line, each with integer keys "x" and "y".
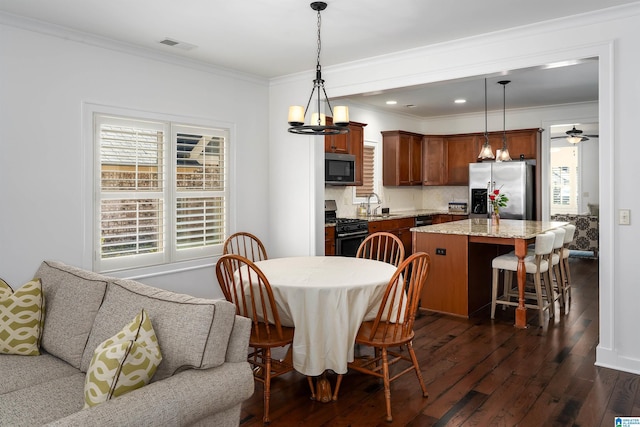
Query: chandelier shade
{"x": 317, "y": 124}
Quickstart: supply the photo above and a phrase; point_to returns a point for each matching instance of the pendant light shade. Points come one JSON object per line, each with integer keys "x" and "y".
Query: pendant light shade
{"x": 504, "y": 154}
{"x": 485, "y": 152}
{"x": 317, "y": 124}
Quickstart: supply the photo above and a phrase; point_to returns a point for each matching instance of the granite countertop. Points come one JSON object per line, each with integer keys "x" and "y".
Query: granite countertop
{"x": 507, "y": 228}
{"x": 401, "y": 215}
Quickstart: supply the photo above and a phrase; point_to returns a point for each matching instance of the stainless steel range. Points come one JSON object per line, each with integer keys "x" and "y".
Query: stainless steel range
{"x": 350, "y": 232}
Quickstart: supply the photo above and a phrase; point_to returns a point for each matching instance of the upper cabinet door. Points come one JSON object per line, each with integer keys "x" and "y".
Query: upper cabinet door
{"x": 433, "y": 168}
{"x": 461, "y": 150}
{"x": 401, "y": 158}
{"x": 336, "y": 143}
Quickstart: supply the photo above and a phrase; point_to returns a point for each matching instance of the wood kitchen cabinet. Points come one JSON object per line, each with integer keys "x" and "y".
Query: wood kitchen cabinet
{"x": 460, "y": 151}
{"x": 433, "y": 167}
{"x": 401, "y": 158}
{"x": 348, "y": 143}
{"x": 400, "y": 227}
{"x": 330, "y": 240}
{"x": 521, "y": 141}
{"x": 440, "y": 218}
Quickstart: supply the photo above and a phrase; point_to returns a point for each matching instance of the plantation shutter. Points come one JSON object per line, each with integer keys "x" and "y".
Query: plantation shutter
{"x": 367, "y": 172}
{"x": 200, "y": 189}
{"x": 132, "y": 190}
{"x": 161, "y": 192}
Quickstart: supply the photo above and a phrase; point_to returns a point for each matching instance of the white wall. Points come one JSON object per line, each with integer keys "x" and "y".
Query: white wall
{"x": 614, "y": 37}
{"x": 45, "y": 187}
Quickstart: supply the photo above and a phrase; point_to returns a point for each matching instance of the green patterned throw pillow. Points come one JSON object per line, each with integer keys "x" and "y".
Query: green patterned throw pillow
{"x": 21, "y": 318}
{"x": 123, "y": 363}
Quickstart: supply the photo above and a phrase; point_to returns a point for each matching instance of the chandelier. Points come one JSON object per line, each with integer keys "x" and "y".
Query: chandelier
{"x": 317, "y": 124}
{"x": 485, "y": 151}
{"x": 504, "y": 154}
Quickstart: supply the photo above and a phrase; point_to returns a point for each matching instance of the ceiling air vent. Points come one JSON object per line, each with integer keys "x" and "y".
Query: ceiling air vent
{"x": 176, "y": 43}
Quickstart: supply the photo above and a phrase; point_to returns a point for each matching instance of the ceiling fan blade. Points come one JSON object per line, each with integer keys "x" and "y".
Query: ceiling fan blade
{"x": 592, "y": 136}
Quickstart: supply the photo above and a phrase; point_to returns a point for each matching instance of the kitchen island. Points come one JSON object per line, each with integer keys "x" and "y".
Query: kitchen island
{"x": 459, "y": 281}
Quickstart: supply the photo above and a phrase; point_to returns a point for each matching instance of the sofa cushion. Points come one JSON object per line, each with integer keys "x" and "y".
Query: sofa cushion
{"x": 73, "y": 297}
{"x": 123, "y": 363}
{"x": 21, "y": 314}
{"x": 192, "y": 332}
{"x": 42, "y": 403}
{"x": 17, "y": 372}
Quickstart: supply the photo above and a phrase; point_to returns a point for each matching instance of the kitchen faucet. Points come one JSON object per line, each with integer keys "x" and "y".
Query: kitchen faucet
{"x": 369, "y": 202}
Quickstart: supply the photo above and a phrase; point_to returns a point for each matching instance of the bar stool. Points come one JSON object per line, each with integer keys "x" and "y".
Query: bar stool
{"x": 565, "y": 271}
{"x": 537, "y": 264}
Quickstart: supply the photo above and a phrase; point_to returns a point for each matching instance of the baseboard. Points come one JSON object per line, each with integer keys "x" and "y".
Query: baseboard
{"x": 608, "y": 358}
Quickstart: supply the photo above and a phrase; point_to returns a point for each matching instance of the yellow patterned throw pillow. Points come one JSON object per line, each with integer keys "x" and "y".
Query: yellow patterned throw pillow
{"x": 123, "y": 363}
{"x": 21, "y": 318}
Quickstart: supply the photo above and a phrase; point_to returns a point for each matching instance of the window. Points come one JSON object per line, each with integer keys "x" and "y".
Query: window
{"x": 368, "y": 172}
{"x": 564, "y": 180}
{"x": 161, "y": 192}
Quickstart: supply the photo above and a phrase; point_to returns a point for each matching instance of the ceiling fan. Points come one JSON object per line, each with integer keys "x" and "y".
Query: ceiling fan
{"x": 575, "y": 135}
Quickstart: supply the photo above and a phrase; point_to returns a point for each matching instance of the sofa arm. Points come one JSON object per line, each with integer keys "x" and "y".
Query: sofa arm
{"x": 180, "y": 400}
{"x": 238, "y": 346}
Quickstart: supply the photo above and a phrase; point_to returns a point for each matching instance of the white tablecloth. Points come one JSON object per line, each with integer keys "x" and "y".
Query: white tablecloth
{"x": 326, "y": 299}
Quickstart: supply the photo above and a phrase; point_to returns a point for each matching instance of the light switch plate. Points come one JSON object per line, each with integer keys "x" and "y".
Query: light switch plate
{"x": 624, "y": 217}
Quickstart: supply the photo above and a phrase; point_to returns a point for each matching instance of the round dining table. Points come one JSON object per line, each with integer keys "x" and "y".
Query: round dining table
{"x": 326, "y": 298}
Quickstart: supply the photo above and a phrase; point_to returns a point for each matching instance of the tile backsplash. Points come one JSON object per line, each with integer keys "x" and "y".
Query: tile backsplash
{"x": 399, "y": 199}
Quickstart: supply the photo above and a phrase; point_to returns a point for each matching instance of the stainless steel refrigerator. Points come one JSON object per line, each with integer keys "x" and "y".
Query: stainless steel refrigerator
{"x": 514, "y": 179}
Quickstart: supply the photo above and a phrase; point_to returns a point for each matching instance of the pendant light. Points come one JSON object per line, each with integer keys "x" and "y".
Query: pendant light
{"x": 485, "y": 152}
{"x": 504, "y": 154}
{"x": 317, "y": 124}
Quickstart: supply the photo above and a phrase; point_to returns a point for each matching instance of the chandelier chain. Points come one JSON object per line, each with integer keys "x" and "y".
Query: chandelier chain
{"x": 319, "y": 41}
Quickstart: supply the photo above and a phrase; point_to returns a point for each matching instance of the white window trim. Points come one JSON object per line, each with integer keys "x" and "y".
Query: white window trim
{"x": 91, "y": 199}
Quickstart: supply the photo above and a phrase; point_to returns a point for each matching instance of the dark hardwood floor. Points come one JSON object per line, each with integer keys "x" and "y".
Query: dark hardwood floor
{"x": 479, "y": 372}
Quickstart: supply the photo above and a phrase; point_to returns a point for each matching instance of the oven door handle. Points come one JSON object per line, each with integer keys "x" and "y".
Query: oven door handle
{"x": 355, "y": 233}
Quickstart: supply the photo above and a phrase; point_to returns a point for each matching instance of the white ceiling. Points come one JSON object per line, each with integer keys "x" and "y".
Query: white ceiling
{"x": 270, "y": 38}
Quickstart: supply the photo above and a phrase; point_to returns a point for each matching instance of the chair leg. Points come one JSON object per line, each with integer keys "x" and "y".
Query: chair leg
{"x": 508, "y": 280}
{"x": 558, "y": 277}
{"x": 335, "y": 392}
{"x": 494, "y": 292}
{"x": 267, "y": 386}
{"x": 538, "y": 287}
{"x": 416, "y": 366}
{"x": 312, "y": 388}
{"x": 548, "y": 285}
{"x": 567, "y": 287}
{"x": 385, "y": 378}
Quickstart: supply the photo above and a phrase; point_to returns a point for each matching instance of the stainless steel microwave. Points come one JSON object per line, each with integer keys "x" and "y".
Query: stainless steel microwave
{"x": 339, "y": 169}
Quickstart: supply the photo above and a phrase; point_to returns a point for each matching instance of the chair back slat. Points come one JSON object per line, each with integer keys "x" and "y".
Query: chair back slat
{"x": 382, "y": 246}
{"x": 246, "y": 286}
{"x": 246, "y": 245}
{"x": 396, "y": 315}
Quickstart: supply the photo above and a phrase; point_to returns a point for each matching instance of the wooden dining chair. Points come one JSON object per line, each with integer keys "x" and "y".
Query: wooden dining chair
{"x": 382, "y": 246}
{"x": 246, "y": 245}
{"x": 245, "y": 285}
{"x": 393, "y": 327}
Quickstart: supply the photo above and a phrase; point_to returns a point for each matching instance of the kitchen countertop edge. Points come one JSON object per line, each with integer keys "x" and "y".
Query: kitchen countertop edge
{"x": 402, "y": 215}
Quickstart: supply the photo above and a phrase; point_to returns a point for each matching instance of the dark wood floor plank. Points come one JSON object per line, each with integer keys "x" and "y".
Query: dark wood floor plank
{"x": 479, "y": 372}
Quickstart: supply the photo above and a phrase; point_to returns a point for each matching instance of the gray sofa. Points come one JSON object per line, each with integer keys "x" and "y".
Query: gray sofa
{"x": 202, "y": 380}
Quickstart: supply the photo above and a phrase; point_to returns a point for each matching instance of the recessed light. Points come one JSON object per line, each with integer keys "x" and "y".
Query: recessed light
{"x": 392, "y": 102}
{"x": 460, "y": 101}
